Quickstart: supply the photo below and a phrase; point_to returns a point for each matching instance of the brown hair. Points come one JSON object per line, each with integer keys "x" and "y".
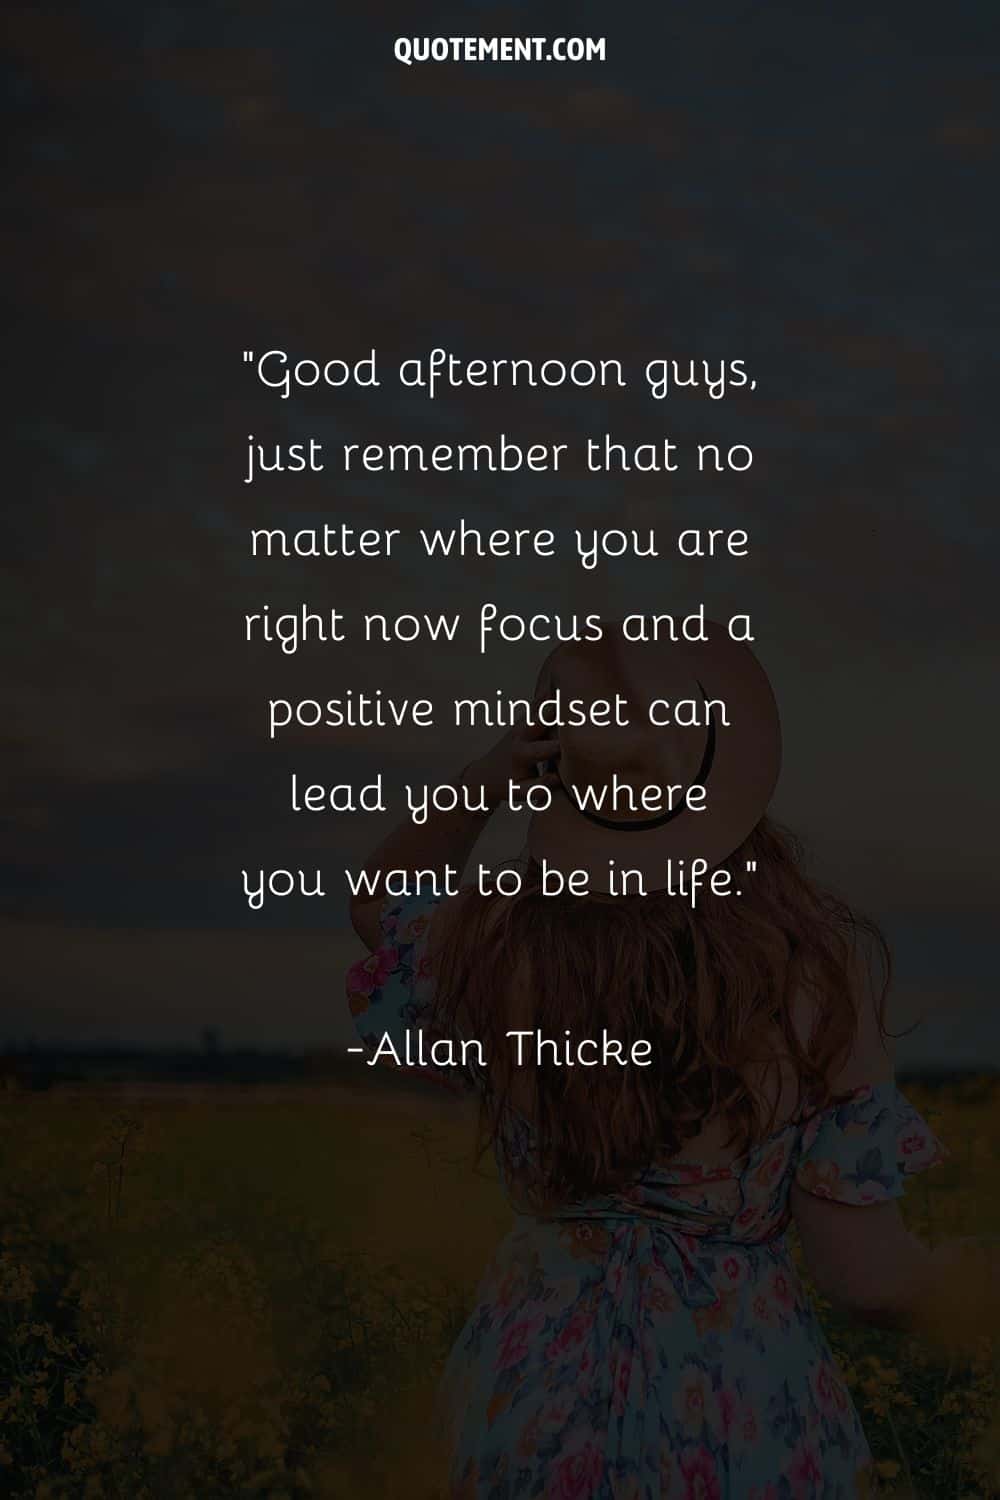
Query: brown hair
{"x": 719, "y": 991}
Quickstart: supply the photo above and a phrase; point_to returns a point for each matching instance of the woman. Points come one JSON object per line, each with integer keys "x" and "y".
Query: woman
{"x": 643, "y": 1332}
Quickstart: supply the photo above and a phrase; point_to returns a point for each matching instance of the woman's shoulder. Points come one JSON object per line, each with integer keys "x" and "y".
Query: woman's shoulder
{"x": 455, "y": 914}
{"x": 407, "y": 919}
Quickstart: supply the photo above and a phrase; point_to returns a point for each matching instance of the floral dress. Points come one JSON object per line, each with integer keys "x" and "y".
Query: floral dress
{"x": 657, "y": 1342}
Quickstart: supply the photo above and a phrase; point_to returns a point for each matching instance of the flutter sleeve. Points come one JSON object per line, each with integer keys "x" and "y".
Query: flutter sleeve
{"x": 391, "y": 993}
{"x": 861, "y": 1149}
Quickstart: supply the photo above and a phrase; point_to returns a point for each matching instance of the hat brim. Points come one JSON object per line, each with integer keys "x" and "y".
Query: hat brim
{"x": 739, "y": 786}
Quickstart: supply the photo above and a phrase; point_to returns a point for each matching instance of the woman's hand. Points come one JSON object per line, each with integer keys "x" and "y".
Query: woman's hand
{"x": 516, "y": 758}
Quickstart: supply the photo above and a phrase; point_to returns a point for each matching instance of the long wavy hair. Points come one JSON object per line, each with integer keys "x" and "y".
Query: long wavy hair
{"x": 719, "y": 990}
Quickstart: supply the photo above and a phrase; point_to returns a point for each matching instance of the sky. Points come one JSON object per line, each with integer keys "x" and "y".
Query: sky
{"x": 801, "y": 187}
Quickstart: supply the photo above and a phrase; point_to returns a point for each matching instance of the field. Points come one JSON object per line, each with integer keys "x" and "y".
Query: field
{"x": 226, "y": 1292}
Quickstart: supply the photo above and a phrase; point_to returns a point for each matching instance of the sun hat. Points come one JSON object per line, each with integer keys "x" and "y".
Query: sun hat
{"x": 733, "y": 749}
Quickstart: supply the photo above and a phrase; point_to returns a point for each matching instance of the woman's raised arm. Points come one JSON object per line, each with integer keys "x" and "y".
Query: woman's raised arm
{"x": 447, "y": 839}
